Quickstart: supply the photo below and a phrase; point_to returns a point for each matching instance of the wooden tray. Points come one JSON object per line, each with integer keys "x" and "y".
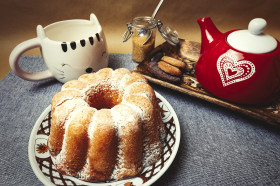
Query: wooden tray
{"x": 190, "y": 86}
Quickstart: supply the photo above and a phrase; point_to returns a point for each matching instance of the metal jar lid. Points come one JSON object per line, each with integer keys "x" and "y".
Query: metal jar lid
{"x": 169, "y": 34}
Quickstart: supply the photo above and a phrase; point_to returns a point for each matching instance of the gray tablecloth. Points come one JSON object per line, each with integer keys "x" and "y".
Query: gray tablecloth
{"x": 218, "y": 146}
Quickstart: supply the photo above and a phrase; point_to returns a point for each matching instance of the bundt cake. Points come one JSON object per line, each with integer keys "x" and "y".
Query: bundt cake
{"x": 105, "y": 126}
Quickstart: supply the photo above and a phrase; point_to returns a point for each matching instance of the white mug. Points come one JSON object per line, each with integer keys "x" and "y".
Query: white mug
{"x": 69, "y": 48}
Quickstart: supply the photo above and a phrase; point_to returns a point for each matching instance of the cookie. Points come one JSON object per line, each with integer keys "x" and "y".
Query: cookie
{"x": 170, "y": 69}
{"x": 158, "y": 73}
{"x": 157, "y": 56}
{"x": 174, "y": 62}
{"x": 189, "y": 50}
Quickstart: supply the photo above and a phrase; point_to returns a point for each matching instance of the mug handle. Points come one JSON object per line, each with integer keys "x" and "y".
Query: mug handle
{"x": 14, "y": 59}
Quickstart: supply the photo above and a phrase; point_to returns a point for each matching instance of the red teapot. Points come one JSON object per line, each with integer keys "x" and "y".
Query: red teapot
{"x": 241, "y": 66}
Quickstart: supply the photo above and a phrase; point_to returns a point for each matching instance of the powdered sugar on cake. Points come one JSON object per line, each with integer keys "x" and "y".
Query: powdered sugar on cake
{"x": 130, "y": 107}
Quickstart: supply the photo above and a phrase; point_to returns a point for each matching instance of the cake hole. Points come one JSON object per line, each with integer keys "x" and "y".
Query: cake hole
{"x": 104, "y": 97}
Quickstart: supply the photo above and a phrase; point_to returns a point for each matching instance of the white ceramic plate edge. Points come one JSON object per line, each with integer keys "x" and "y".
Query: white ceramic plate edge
{"x": 31, "y": 149}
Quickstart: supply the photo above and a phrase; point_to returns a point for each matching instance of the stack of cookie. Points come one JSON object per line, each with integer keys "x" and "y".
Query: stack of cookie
{"x": 167, "y": 68}
{"x": 171, "y": 63}
{"x": 172, "y": 66}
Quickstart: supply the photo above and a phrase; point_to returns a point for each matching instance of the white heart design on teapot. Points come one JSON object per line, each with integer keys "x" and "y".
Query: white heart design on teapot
{"x": 233, "y": 71}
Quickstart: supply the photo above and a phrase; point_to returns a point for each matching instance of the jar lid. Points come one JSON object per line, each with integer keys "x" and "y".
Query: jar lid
{"x": 144, "y": 22}
{"x": 253, "y": 40}
{"x": 169, "y": 34}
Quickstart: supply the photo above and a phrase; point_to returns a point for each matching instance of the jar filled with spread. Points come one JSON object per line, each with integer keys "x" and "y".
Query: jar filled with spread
{"x": 142, "y": 30}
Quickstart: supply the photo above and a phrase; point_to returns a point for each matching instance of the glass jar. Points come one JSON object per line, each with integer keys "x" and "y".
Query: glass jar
{"x": 143, "y": 33}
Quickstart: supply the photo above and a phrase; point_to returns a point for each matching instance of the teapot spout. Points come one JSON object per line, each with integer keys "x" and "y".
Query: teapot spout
{"x": 209, "y": 33}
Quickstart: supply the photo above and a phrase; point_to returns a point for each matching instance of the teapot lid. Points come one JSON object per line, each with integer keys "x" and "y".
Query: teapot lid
{"x": 253, "y": 40}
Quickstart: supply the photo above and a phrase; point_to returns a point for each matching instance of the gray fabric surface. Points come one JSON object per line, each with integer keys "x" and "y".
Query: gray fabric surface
{"x": 218, "y": 146}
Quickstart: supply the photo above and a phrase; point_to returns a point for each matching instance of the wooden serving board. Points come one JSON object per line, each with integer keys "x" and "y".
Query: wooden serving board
{"x": 190, "y": 86}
